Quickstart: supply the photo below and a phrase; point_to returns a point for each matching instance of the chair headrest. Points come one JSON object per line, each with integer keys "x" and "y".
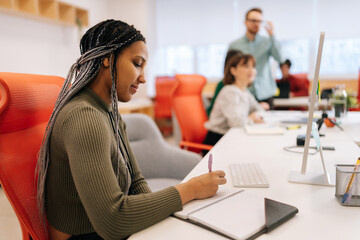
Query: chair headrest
{"x": 23, "y": 96}
{"x": 189, "y": 84}
{"x": 141, "y": 127}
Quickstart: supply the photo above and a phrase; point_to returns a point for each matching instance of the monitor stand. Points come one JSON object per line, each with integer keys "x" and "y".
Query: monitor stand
{"x": 312, "y": 178}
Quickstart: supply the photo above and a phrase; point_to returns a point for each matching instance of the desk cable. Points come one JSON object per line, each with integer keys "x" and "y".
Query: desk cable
{"x": 312, "y": 150}
{"x": 301, "y": 149}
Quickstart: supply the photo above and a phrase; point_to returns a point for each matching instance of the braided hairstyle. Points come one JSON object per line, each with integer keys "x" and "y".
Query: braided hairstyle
{"x": 106, "y": 39}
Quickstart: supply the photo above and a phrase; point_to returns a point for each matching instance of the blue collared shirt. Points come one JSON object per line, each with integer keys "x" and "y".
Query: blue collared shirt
{"x": 261, "y": 48}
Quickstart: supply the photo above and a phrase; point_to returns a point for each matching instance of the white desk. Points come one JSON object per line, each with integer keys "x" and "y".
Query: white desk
{"x": 298, "y": 102}
{"x": 350, "y": 124}
{"x": 320, "y": 215}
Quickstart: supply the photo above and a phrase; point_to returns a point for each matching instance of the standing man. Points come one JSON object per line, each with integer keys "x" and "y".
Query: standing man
{"x": 264, "y": 86}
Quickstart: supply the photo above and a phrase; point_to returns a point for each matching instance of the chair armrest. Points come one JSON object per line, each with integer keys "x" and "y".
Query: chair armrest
{"x": 185, "y": 144}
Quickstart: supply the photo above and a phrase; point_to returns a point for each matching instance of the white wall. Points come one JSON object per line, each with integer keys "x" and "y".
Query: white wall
{"x": 30, "y": 45}
{"x": 141, "y": 14}
{"x": 189, "y": 22}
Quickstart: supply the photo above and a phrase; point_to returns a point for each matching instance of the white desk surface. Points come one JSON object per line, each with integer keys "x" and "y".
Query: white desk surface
{"x": 320, "y": 215}
{"x": 350, "y": 124}
{"x": 297, "y": 102}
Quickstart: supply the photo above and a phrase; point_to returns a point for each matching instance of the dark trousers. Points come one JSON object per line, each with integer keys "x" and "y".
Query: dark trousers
{"x": 270, "y": 101}
{"x": 211, "y": 139}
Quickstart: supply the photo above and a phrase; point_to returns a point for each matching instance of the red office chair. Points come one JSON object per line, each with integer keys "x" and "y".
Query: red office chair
{"x": 189, "y": 110}
{"x": 162, "y": 103}
{"x": 26, "y": 103}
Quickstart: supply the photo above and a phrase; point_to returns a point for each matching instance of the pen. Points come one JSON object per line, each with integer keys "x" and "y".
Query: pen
{"x": 293, "y": 127}
{"x": 210, "y": 162}
{"x": 347, "y": 194}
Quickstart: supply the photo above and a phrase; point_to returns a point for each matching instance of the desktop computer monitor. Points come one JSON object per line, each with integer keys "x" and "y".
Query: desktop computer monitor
{"x": 314, "y": 178}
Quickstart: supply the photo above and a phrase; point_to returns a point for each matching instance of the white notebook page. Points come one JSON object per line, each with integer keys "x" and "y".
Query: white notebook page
{"x": 197, "y": 204}
{"x": 238, "y": 216}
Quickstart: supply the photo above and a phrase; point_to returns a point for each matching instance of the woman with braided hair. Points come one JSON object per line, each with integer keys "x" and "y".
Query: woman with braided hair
{"x": 89, "y": 184}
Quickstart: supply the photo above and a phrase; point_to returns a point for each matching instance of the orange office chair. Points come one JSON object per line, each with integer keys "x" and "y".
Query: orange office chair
{"x": 189, "y": 110}
{"x": 162, "y": 103}
{"x": 26, "y": 103}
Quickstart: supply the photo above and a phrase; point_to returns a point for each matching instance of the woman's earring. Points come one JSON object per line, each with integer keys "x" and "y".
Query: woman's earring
{"x": 106, "y": 62}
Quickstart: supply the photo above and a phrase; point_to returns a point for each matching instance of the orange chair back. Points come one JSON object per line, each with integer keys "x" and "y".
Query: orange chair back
{"x": 189, "y": 108}
{"x": 162, "y": 105}
{"x": 26, "y": 103}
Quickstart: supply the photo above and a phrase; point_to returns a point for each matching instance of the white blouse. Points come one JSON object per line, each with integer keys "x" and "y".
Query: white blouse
{"x": 232, "y": 108}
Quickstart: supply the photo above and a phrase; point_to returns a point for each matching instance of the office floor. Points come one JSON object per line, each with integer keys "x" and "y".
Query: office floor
{"x": 9, "y": 225}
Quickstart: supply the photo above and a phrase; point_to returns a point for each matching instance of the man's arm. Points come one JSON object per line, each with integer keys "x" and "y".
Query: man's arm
{"x": 275, "y": 49}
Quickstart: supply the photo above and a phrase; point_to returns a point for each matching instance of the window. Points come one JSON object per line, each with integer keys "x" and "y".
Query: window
{"x": 298, "y": 53}
{"x": 341, "y": 56}
{"x": 210, "y": 60}
{"x": 179, "y": 59}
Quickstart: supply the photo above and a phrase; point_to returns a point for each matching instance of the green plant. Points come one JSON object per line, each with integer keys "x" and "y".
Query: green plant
{"x": 351, "y": 100}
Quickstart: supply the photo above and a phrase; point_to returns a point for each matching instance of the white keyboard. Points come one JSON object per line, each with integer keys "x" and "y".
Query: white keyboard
{"x": 248, "y": 175}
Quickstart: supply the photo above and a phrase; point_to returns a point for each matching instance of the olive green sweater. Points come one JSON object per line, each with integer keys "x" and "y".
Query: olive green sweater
{"x": 83, "y": 194}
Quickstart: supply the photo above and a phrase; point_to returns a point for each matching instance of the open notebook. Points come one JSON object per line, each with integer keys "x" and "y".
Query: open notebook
{"x": 237, "y": 214}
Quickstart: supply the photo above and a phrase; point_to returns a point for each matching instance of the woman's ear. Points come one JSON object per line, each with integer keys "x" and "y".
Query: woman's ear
{"x": 232, "y": 70}
{"x": 106, "y": 62}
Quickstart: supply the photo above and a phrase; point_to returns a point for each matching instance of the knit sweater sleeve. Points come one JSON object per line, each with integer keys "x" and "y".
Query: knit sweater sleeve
{"x": 253, "y": 103}
{"x": 113, "y": 214}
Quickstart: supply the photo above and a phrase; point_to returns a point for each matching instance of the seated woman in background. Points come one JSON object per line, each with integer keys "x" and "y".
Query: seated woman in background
{"x": 235, "y": 106}
{"x": 299, "y": 84}
{"x": 89, "y": 183}
{"x": 220, "y": 84}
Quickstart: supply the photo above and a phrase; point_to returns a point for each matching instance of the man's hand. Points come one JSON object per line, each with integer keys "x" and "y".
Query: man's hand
{"x": 269, "y": 28}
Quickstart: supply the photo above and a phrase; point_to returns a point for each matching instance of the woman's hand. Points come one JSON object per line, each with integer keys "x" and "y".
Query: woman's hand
{"x": 256, "y": 118}
{"x": 202, "y": 186}
{"x": 264, "y": 105}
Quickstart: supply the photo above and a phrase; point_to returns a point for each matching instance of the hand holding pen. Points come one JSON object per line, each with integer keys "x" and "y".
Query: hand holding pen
{"x": 203, "y": 186}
